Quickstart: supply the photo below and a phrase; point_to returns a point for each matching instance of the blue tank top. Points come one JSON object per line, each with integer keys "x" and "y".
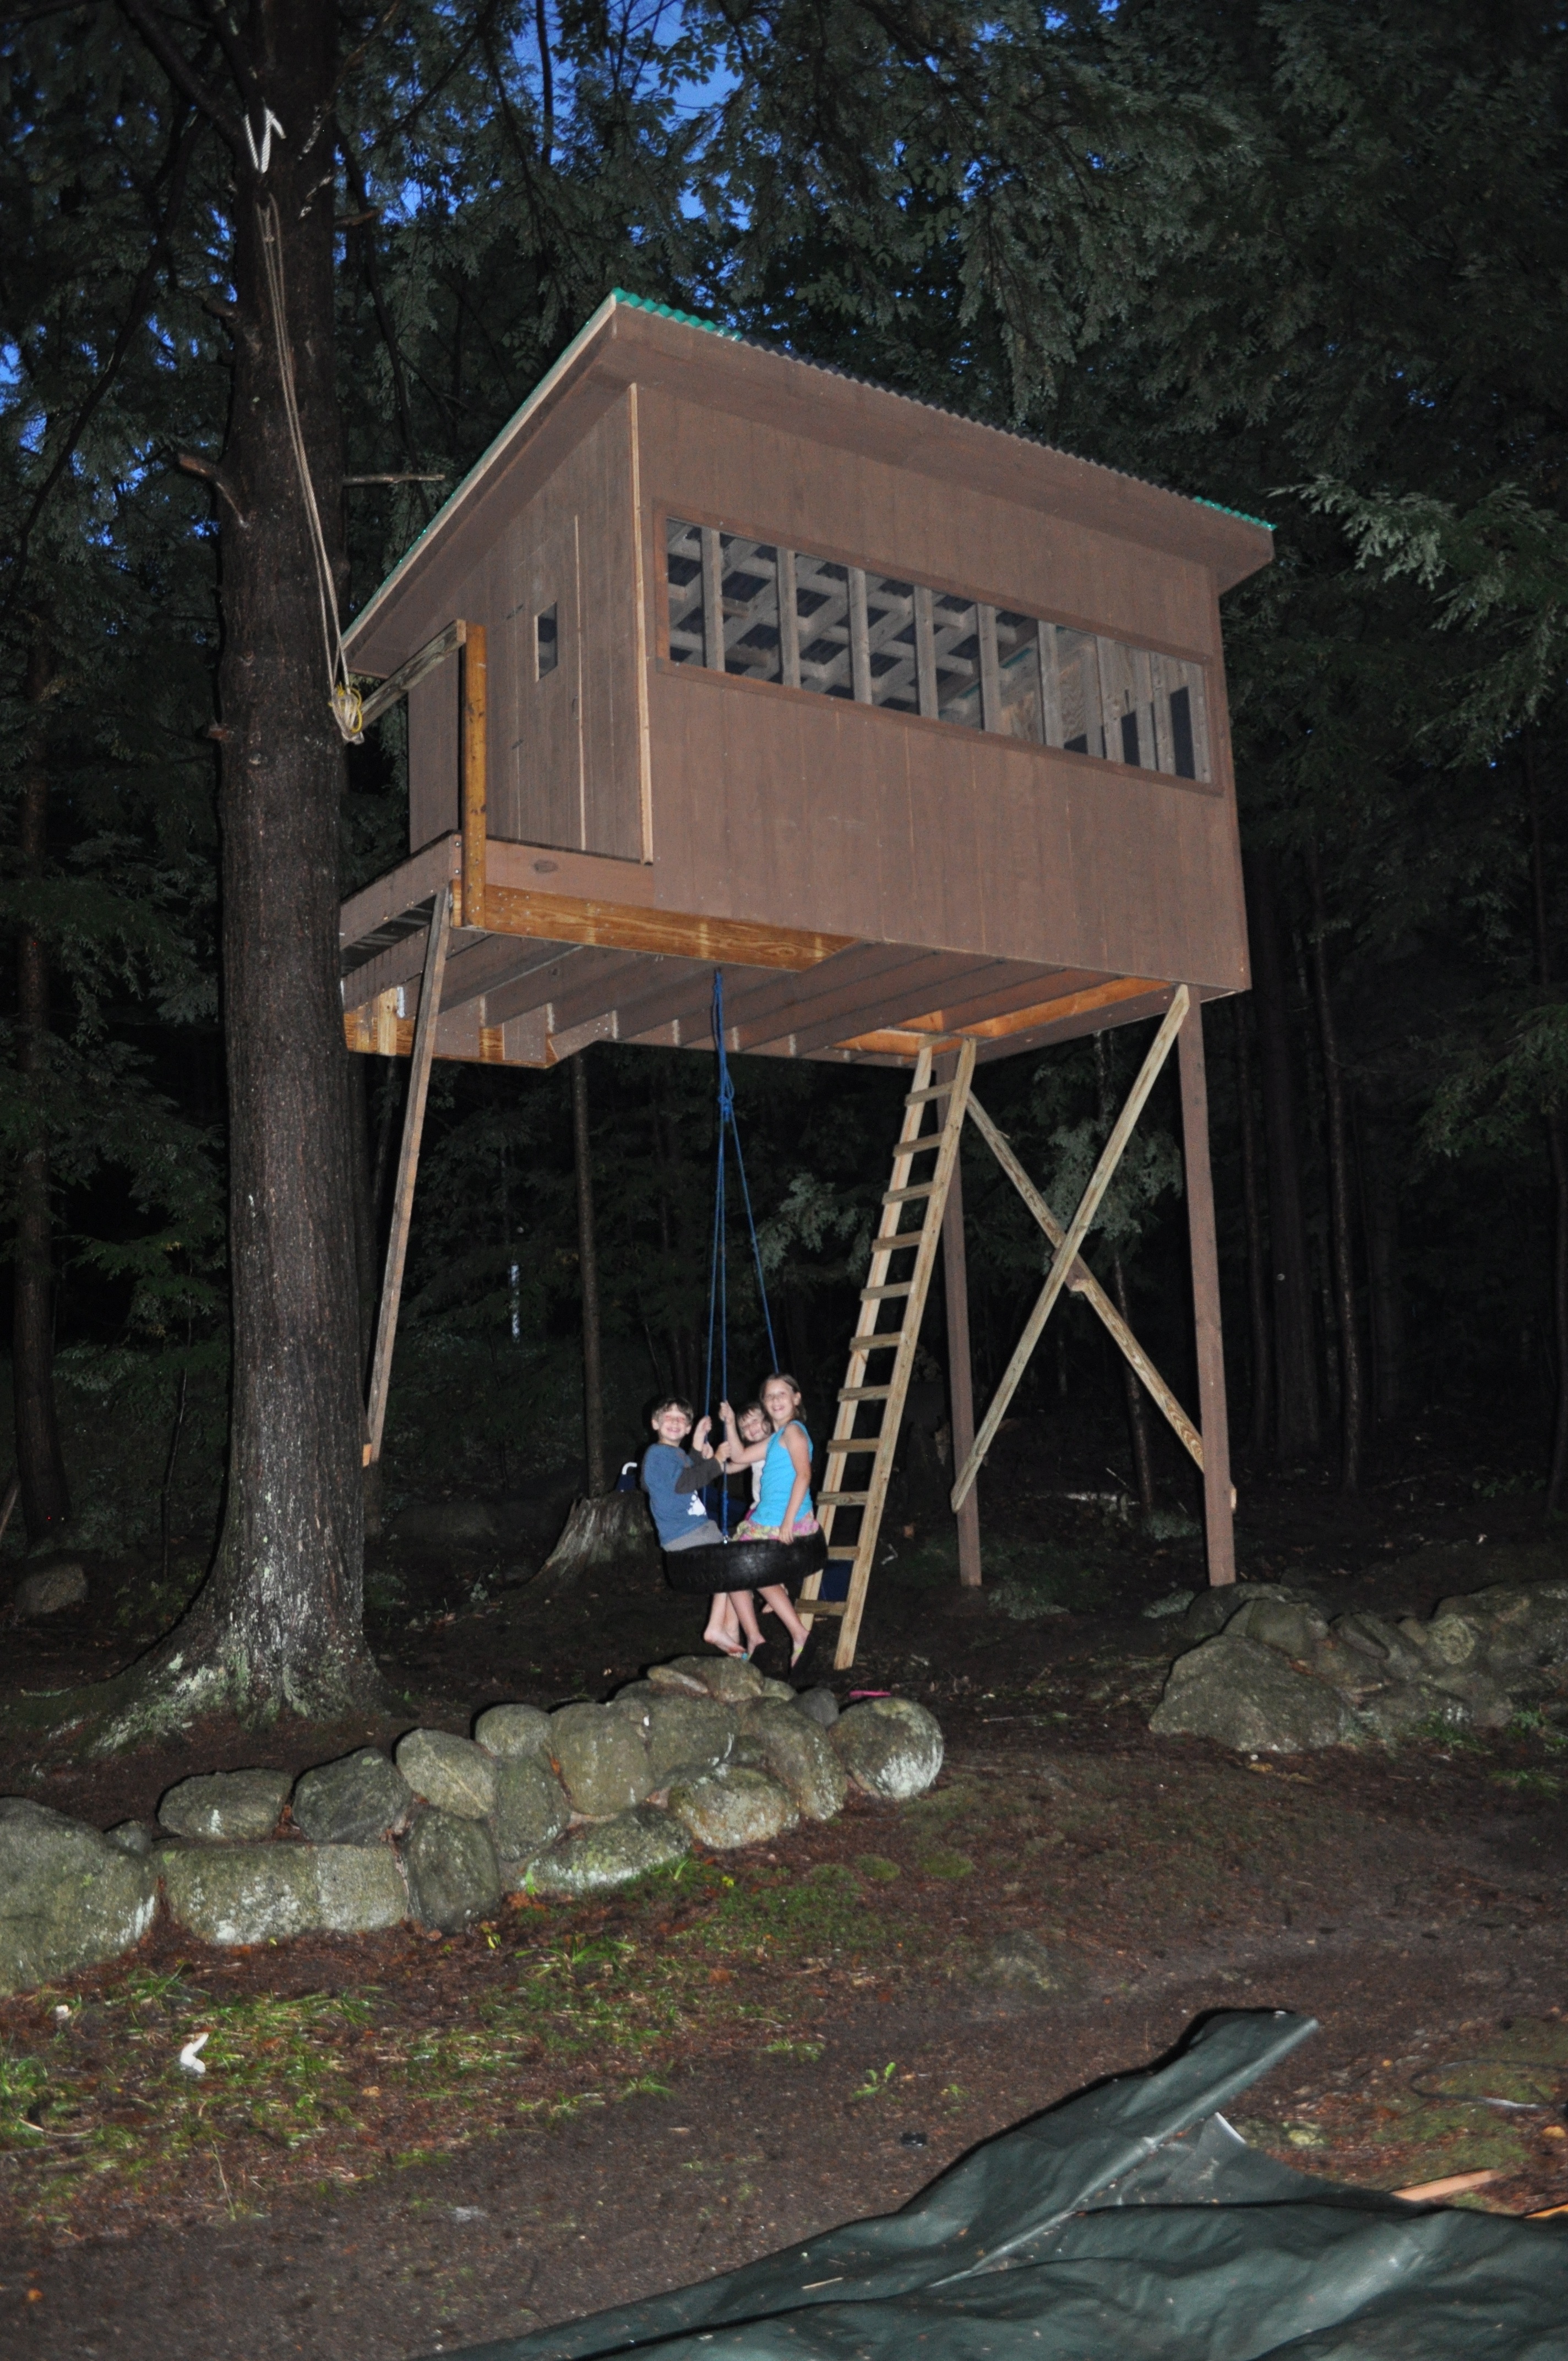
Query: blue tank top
{"x": 778, "y": 1481}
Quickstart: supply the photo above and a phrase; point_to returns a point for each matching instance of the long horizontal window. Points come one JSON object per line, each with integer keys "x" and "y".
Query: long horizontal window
{"x": 753, "y": 609}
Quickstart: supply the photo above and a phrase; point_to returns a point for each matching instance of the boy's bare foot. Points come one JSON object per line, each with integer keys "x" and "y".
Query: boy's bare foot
{"x": 722, "y": 1642}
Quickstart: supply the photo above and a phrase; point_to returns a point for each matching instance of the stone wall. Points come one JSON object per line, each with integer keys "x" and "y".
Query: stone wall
{"x": 705, "y": 1751}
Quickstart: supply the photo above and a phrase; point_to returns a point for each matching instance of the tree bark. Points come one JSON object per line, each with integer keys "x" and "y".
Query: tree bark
{"x": 279, "y": 1624}
{"x": 1135, "y": 1400}
{"x": 1556, "y": 1142}
{"x": 589, "y": 1274}
{"x": 1351, "y": 1362}
{"x": 1298, "y": 1433}
{"x": 40, "y": 1460}
{"x": 1261, "y": 1420}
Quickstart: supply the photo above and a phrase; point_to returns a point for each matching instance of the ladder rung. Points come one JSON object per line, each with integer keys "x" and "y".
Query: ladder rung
{"x": 883, "y": 1343}
{"x": 936, "y": 1090}
{"x": 821, "y": 1605}
{"x": 900, "y": 1242}
{"x": 842, "y": 1499}
{"x": 864, "y": 1394}
{"x": 841, "y": 1445}
{"x": 894, "y": 1286}
{"x": 917, "y": 1189}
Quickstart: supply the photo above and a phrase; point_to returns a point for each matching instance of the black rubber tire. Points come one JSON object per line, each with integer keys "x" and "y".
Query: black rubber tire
{"x": 745, "y": 1565}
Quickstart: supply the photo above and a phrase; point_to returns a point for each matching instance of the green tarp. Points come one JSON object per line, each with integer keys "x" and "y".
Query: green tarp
{"x": 1127, "y": 2224}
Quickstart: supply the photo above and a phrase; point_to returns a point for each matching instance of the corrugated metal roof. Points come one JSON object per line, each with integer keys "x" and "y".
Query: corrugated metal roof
{"x": 831, "y": 368}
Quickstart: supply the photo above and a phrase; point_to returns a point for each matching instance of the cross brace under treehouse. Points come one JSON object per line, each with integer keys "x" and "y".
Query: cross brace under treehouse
{"x": 915, "y": 728}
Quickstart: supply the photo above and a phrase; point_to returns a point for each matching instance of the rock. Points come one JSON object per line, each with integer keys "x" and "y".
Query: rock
{"x": 1387, "y": 1647}
{"x": 225, "y": 1808}
{"x": 359, "y": 1888}
{"x": 352, "y": 1802}
{"x": 450, "y": 1862}
{"x": 890, "y": 1746}
{"x": 135, "y": 1836}
{"x": 1175, "y": 1602}
{"x": 687, "y": 1735}
{"x": 453, "y": 1773}
{"x": 611, "y": 1855}
{"x": 1024, "y": 1963}
{"x": 1283, "y": 1623}
{"x": 242, "y": 1892}
{"x": 51, "y": 1588}
{"x": 604, "y": 1762}
{"x": 68, "y": 1897}
{"x": 1245, "y": 1695}
{"x": 820, "y": 1705}
{"x": 675, "y": 1679}
{"x": 779, "y": 1692}
{"x": 1404, "y": 1706}
{"x": 797, "y": 1754}
{"x": 530, "y": 1811}
{"x": 729, "y": 1678}
{"x": 513, "y": 1731}
{"x": 1211, "y": 1609}
{"x": 729, "y": 1808}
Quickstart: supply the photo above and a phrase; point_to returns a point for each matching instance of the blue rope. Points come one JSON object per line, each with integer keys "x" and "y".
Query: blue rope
{"x": 718, "y": 1259}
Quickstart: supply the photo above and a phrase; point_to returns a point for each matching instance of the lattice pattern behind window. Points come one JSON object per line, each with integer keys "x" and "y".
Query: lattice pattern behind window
{"x": 748, "y": 607}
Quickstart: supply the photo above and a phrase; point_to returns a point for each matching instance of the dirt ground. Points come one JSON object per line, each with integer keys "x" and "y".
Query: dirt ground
{"x": 405, "y": 2146}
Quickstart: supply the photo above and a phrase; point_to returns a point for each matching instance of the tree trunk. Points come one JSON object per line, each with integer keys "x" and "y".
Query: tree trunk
{"x": 279, "y": 1624}
{"x": 1262, "y": 1417}
{"x": 1298, "y": 1433}
{"x": 588, "y": 1273}
{"x": 1384, "y": 1287}
{"x": 1135, "y": 1400}
{"x": 40, "y": 1461}
{"x": 1353, "y": 1374}
{"x": 1556, "y": 1145}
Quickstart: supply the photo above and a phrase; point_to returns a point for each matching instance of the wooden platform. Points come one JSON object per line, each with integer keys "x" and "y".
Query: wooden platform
{"x": 551, "y": 970}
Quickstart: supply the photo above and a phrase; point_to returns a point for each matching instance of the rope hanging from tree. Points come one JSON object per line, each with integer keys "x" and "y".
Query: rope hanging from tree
{"x": 347, "y": 704}
{"x": 718, "y": 1264}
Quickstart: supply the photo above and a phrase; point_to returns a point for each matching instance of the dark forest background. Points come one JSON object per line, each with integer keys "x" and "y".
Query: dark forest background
{"x": 1307, "y": 259}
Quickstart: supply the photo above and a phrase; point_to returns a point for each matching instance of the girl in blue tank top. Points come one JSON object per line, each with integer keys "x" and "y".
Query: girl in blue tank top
{"x": 783, "y": 1510}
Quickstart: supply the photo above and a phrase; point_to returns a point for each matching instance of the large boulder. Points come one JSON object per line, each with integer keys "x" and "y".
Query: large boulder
{"x": 226, "y": 1806}
{"x": 453, "y": 1773}
{"x": 68, "y": 1899}
{"x": 796, "y": 1752}
{"x": 511, "y": 1731}
{"x": 604, "y": 1762}
{"x": 819, "y": 1704}
{"x": 611, "y": 1855}
{"x": 892, "y": 1748}
{"x": 732, "y": 1679}
{"x": 353, "y": 1802}
{"x": 242, "y": 1892}
{"x": 732, "y": 1808}
{"x": 453, "y": 1876}
{"x": 530, "y": 1811}
{"x": 50, "y": 1589}
{"x": 1246, "y": 1696}
{"x": 687, "y": 1735}
{"x": 359, "y": 1888}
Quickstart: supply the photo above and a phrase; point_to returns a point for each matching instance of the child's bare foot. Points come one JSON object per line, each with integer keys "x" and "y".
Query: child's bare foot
{"x": 723, "y": 1642}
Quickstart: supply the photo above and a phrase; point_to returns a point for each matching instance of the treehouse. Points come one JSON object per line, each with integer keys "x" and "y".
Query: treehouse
{"x": 915, "y": 729}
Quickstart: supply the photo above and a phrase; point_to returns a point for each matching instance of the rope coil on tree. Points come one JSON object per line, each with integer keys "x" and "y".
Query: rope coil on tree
{"x": 347, "y": 706}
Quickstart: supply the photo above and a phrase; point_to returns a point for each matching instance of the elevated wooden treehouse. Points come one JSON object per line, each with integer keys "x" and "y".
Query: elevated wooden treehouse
{"x": 916, "y": 726}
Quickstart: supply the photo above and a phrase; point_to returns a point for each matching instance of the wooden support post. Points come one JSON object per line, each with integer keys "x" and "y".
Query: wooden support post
{"x": 475, "y": 695}
{"x": 1065, "y": 1255}
{"x": 408, "y": 1167}
{"x": 789, "y": 623}
{"x": 925, "y": 653}
{"x": 424, "y": 660}
{"x": 859, "y": 637}
{"x": 1218, "y": 1506}
{"x": 961, "y": 1373}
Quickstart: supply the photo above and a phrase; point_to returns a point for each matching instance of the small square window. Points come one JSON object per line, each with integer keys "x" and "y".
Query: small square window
{"x": 546, "y": 643}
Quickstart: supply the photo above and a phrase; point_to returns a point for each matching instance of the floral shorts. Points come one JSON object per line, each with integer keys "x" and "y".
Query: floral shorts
{"x": 751, "y": 1531}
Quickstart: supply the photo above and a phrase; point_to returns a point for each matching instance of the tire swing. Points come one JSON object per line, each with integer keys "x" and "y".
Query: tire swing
{"x": 726, "y": 1564}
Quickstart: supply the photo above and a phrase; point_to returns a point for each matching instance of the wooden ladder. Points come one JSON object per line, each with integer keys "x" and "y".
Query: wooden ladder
{"x": 905, "y": 1298}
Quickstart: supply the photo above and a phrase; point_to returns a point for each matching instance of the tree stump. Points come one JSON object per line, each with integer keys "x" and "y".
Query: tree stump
{"x": 604, "y": 1528}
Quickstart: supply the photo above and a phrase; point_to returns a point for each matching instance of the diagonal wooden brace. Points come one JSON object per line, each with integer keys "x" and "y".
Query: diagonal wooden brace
{"x": 408, "y": 1167}
{"x": 1065, "y": 1255}
{"x": 1082, "y": 1281}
